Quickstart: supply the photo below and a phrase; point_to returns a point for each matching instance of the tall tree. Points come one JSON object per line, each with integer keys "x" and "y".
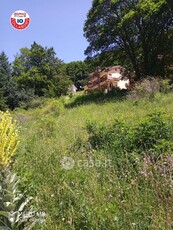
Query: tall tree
{"x": 38, "y": 68}
{"x": 136, "y": 28}
{"x": 5, "y": 75}
{"x": 9, "y": 93}
{"x": 5, "y": 68}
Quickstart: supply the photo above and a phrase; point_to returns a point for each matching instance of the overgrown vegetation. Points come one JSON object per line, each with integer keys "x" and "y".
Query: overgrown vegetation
{"x": 91, "y": 161}
{"x": 149, "y": 87}
{"x": 137, "y": 34}
{"x": 14, "y": 212}
{"x": 99, "y": 165}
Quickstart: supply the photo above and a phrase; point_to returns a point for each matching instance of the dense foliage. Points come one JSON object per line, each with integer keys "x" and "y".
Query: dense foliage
{"x": 151, "y": 137}
{"x": 78, "y": 72}
{"x": 138, "y": 33}
{"x": 38, "y": 69}
{"x": 35, "y": 72}
{"x": 5, "y": 78}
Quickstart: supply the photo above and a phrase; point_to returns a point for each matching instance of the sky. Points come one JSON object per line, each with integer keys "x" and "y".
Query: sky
{"x": 54, "y": 23}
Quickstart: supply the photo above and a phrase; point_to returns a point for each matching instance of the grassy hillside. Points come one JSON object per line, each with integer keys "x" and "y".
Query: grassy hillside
{"x": 74, "y": 160}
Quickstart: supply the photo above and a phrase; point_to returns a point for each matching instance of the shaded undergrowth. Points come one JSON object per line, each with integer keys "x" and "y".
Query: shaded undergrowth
{"x": 97, "y": 98}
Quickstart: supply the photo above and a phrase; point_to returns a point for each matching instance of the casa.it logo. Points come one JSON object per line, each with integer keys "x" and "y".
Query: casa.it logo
{"x": 20, "y": 20}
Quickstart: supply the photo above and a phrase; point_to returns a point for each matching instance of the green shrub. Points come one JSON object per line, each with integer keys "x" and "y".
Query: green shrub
{"x": 106, "y": 136}
{"x": 165, "y": 86}
{"x": 150, "y": 132}
{"x": 35, "y": 103}
{"x": 150, "y": 135}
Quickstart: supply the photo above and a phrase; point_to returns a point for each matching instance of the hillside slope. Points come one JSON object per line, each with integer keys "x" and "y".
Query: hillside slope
{"x": 80, "y": 186}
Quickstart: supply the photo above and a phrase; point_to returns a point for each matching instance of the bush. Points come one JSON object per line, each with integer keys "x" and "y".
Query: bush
{"x": 35, "y": 103}
{"x": 165, "y": 86}
{"x": 151, "y": 135}
{"x": 147, "y": 88}
{"x": 21, "y": 98}
{"x": 151, "y": 132}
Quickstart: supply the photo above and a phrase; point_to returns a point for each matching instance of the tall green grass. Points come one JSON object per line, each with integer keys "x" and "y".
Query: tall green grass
{"x": 95, "y": 193}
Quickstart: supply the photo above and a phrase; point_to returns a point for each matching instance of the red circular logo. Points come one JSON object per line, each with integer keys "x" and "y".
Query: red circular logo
{"x": 20, "y": 20}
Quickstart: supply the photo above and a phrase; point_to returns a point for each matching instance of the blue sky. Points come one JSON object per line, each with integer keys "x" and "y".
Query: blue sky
{"x": 57, "y": 23}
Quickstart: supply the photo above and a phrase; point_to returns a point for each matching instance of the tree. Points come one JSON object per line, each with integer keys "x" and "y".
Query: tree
{"x": 5, "y": 75}
{"x": 78, "y": 72}
{"x": 38, "y": 68}
{"x": 134, "y": 28}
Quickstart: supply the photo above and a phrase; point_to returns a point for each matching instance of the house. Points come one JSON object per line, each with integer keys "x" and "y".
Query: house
{"x": 105, "y": 79}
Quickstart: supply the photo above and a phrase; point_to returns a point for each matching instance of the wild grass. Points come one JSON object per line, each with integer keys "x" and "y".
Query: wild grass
{"x": 93, "y": 194}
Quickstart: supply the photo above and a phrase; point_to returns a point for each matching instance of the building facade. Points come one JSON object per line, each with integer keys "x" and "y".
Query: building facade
{"x": 104, "y": 79}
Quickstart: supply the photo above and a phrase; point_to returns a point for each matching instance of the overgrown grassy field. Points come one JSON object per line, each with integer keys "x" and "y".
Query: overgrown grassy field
{"x": 98, "y": 163}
